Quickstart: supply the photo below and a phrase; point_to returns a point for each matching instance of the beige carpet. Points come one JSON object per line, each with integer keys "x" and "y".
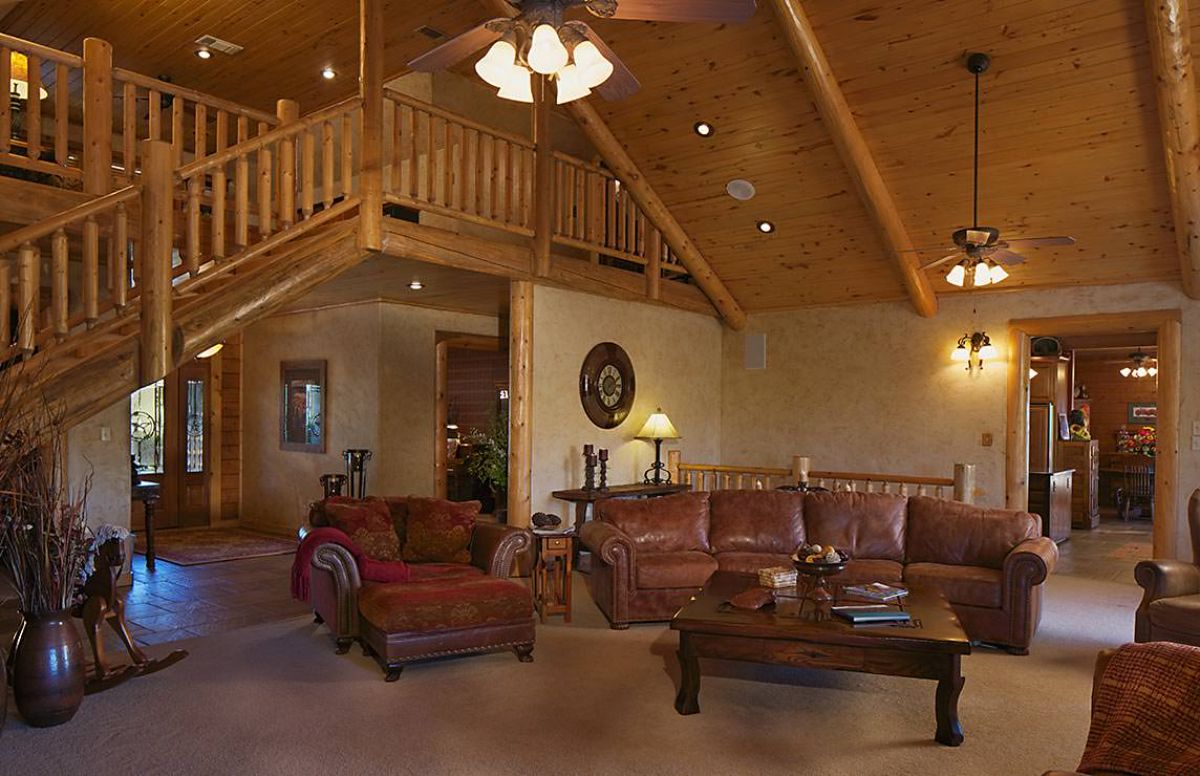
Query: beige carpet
{"x": 275, "y": 699}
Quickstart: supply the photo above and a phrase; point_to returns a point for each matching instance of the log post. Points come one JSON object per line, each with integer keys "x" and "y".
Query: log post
{"x": 1016, "y": 468}
{"x": 520, "y": 402}
{"x": 288, "y": 112}
{"x": 964, "y": 482}
{"x": 543, "y": 177}
{"x": 441, "y": 418}
{"x": 370, "y": 89}
{"x": 97, "y": 117}
{"x": 654, "y": 264}
{"x": 674, "y": 458}
{"x": 852, "y": 147}
{"x": 155, "y": 261}
{"x": 801, "y": 465}
{"x": 1170, "y": 32}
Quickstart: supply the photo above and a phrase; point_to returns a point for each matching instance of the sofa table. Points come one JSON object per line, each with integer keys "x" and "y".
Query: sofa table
{"x": 793, "y": 632}
{"x": 583, "y": 498}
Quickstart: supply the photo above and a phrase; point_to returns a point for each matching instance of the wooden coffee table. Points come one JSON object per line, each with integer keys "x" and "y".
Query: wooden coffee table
{"x": 796, "y": 632}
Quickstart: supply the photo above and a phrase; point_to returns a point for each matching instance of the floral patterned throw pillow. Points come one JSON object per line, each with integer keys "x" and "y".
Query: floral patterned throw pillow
{"x": 439, "y": 531}
{"x": 368, "y": 523}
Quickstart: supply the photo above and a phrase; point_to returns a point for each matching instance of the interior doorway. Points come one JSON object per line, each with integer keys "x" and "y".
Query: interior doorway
{"x": 1027, "y": 417}
{"x": 171, "y": 440}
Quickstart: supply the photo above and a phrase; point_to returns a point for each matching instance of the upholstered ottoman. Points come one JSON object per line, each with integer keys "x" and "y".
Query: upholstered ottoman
{"x": 402, "y": 622}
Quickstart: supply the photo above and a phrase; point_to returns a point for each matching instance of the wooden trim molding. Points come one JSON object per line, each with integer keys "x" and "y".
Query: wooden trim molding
{"x": 852, "y": 147}
{"x": 520, "y": 403}
{"x": 1169, "y": 332}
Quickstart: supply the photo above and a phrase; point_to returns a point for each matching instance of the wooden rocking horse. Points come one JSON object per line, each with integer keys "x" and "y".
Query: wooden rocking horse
{"x": 102, "y": 603}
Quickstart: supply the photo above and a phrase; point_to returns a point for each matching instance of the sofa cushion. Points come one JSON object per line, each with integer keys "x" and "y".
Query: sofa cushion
{"x": 941, "y": 531}
{"x": 863, "y": 570}
{"x": 423, "y": 572}
{"x": 674, "y": 569}
{"x": 666, "y": 524}
{"x": 751, "y": 562}
{"x": 426, "y": 607}
{"x": 1180, "y": 614}
{"x": 439, "y": 531}
{"x": 755, "y": 521}
{"x": 398, "y": 506}
{"x": 866, "y": 525}
{"x": 368, "y": 523}
{"x": 970, "y": 585}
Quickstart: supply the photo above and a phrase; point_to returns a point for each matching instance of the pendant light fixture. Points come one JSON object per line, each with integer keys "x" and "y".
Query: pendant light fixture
{"x": 1141, "y": 365}
{"x": 559, "y": 51}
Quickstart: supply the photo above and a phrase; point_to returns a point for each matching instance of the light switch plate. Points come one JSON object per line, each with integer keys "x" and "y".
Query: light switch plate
{"x": 1196, "y": 428}
{"x": 1196, "y": 443}
{"x": 987, "y": 439}
{"x": 105, "y": 434}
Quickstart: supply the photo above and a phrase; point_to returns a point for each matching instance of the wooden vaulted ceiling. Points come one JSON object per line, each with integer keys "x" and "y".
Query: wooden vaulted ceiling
{"x": 1071, "y": 136}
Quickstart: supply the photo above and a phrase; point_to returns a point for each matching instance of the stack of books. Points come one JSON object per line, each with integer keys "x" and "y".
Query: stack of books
{"x": 777, "y": 577}
{"x": 876, "y": 591}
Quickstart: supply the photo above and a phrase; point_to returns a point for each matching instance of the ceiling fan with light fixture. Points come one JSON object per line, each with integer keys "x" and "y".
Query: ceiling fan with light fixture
{"x": 538, "y": 41}
{"x": 981, "y": 256}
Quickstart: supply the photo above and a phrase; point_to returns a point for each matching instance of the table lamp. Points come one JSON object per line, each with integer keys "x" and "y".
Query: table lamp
{"x": 658, "y": 427}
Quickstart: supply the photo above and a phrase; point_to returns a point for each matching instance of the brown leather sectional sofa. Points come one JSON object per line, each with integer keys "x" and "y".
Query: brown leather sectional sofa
{"x": 650, "y": 556}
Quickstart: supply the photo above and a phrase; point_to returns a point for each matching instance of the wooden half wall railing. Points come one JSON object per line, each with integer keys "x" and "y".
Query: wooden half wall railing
{"x": 35, "y": 132}
{"x": 701, "y": 476}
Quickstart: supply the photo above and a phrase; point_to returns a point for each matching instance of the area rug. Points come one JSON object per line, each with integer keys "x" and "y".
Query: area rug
{"x": 594, "y": 701}
{"x": 194, "y": 546}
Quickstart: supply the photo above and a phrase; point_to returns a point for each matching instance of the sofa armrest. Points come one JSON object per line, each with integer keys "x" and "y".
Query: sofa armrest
{"x": 335, "y": 585}
{"x": 1030, "y": 562}
{"x": 494, "y": 547}
{"x": 1166, "y": 579}
{"x": 612, "y": 546}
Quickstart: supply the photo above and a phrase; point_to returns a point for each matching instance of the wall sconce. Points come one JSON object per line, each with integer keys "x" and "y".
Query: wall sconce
{"x": 973, "y": 349}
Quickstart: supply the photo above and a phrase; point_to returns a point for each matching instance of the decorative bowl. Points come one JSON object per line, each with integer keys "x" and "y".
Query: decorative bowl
{"x": 818, "y": 571}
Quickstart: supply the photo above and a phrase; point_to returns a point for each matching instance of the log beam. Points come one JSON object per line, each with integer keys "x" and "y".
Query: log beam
{"x": 520, "y": 402}
{"x": 623, "y": 166}
{"x": 852, "y": 148}
{"x": 1169, "y": 31}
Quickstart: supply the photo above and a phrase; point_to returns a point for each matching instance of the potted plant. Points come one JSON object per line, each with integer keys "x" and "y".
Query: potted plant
{"x": 44, "y": 540}
{"x": 487, "y": 461}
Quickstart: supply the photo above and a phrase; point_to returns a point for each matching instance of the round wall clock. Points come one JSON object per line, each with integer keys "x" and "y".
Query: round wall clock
{"x": 606, "y": 385}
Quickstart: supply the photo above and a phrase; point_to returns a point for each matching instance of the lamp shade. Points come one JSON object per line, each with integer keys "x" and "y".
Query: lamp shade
{"x": 957, "y": 275}
{"x": 570, "y": 85}
{"x": 658, "y": 426}
{"x": 495, "y": 65}
{"x": 594, "y": 69}
{"x": 519, "y": 85}
{"x": 547, "y": 55}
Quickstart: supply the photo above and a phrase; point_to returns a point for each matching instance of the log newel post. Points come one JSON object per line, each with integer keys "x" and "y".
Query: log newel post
{"x": 964, "y": 482}
{"x": 97, "y": 116}
{"x": 154, "y": 260}
{"x": 674, "y": 458}
{"x": 543, "y": 184}
{"x": 520, "y": 402}
{"x": 370, "y": 85}
{"x": 801, "y": 464}
{"x": 288, "y": 112}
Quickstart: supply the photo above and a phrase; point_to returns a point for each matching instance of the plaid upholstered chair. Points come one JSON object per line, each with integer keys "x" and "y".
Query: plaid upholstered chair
{"x": 1170, "y": 608}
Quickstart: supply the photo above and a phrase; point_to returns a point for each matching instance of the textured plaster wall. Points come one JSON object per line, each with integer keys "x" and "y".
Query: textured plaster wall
{"x": 872, "y": 387}
{"x": 381, "y": 382}
{"x": 675, "y": 357}
{"x": 106, "y": 460}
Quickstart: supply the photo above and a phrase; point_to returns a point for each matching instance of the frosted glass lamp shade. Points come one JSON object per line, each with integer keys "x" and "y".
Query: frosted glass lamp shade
{"x": 988, "y": 351}
{"x": 496, "y": 65}
{"x": 547, "y": 55}
{"x": 594, "y": 69}
{"x": 997, "y": 273}
{"x": 518, "y": 87}
{"x": 658, "y": 426}
{"x": 960, "y": 353}
{"x": 1126, "y": 371}
{"x": 957, "y": 275}
{"x": 570, "y": 85}
{"x": 982, "y": 276}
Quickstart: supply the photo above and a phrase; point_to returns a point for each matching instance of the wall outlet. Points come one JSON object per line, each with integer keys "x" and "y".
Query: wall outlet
{"x": 105, "y": 434}
{"x": 986, "y": 440}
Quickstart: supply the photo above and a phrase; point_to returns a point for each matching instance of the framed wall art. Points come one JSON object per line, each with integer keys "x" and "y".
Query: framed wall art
{"x": 1143, "y": 413}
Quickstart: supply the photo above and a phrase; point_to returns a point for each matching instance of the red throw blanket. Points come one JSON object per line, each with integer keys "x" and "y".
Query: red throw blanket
{"x": 1146, "y": 720}
{"x": 368, "y": 570}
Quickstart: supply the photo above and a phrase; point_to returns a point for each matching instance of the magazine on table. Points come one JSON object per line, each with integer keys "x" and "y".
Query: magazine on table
{"x": 875, "y": 591}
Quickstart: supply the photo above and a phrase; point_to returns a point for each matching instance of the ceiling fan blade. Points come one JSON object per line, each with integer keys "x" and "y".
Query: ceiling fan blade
{"x": 677, "y": 10}
{"x": 1039, "y": 242}
{"x": 925, "y": 249}
{"x": 622, "y": 83}
{"x": 1007, "y": 257}
{"x": 458, "y": 48}
{"x": 943, "y": 260}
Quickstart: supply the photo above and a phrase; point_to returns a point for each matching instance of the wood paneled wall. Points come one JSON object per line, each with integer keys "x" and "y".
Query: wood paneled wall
{"x": 231, "y": 428}
{"x": 1111, "y": 395}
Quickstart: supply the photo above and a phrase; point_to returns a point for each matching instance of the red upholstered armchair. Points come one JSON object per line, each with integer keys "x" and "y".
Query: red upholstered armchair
{"x": 335, "y": 581}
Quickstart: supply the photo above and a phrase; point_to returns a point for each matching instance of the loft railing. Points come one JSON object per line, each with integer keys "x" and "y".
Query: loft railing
{"x": 35, "y": 132}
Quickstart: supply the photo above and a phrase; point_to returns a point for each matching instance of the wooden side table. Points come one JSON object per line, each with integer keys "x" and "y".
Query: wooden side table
{"x": 552, "y": 575}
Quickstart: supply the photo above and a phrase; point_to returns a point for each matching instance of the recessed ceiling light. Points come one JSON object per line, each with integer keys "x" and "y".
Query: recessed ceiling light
{"x": 416, "y": 285}
{"x": 704, "y": 129}
{"x": 204, "y": 53}
{"x": 328, "y": 73}
{"x": 766, "y": 227}
{"x": 740, "y": 189}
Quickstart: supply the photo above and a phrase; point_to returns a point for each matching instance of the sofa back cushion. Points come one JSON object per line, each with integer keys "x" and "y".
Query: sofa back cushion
{"x": 866, "y": 525}
{"x": 368, "y": 523}
{"x": 398, "y": 506}
{"x": 665, "y": 524}
{"x": 941, "y": 531}
{"x": 756, "y": 521}
{"x": 439, "y": 531}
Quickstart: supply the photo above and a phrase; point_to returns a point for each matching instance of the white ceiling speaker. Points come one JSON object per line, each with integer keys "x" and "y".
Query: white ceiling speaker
{"x": 741, "y": 190}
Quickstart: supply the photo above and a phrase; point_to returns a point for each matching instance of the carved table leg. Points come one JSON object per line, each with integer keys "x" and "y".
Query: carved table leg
{"x": 150, "y": 501}
{"x": 688, "y": 699}
{"x": 949, "y": 731}
{"x": 391, "y": 673}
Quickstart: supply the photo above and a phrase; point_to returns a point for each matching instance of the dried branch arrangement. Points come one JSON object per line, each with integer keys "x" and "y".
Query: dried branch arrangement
{"x": 44, "y": 536}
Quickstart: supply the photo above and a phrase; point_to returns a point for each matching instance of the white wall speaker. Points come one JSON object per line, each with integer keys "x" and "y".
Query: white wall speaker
{"x": 756, "y": 351}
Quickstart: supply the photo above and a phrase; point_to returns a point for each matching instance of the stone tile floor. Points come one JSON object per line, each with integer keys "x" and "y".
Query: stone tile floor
{"x": 1108, "y": 552}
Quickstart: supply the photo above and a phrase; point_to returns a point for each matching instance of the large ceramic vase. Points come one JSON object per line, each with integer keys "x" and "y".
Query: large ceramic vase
{"x": 48, "y": 669}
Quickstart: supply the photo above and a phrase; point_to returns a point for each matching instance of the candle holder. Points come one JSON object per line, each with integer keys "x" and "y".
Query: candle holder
{"x": 603, "y": 469}
{"x": 356, "y": 471}
{"x": 333, "y": 484}
{"x": 589, "y": 468}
